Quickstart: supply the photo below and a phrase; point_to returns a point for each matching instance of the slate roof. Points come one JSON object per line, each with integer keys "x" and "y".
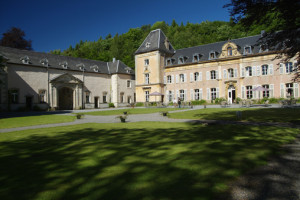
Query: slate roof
{"x": 156, "y": 41}
{"x": 55, "y": 61}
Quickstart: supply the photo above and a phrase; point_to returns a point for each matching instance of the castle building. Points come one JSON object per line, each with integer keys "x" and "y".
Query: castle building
{"x": 31, "y": 79}
{"x": 230, "y": 69}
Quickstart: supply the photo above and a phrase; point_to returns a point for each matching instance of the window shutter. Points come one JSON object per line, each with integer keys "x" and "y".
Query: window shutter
{"x": 207, "y": 93}
{"x": 172, "y": 79}
{"x": 296, "y": 88}
{"x": 217, "y": 95}
{"x": 207, "y": 75}
{"x": 243, "y": 92}
{"x": 192, "y": 95}
{"x": 184, "y": 75}
{"x": 191, "y": 77}
{"x": 217, "y": 74}
{"x": 220, "y": 74}
{"x": 271, "y": 69}
{"x": 235, "y": 72}
{"x": 165, "y": 79}
{"x": 281, "y": 68}
{"x": 253, "y": 68}
{"x": 271, "y": 90}
{"x": 242, "y": 72}
{"x": 254, "y": 92}
{"x": 295, "y": 66}
{"x": 200, "y": 94}
{"x": 224, "y": 74}
{"x": 185, "y": 95}
{"x": 282, "y": 90}
{"x": 200, "y": 76}
{"x": 167, "y": 92}
{"x": 177, "y": 94}
{"x": 257, "y": 70}
{"x": 177, "y": 78}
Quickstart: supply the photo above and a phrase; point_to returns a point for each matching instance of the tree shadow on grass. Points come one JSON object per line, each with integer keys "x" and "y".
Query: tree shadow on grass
{"x": 93, "y": 163}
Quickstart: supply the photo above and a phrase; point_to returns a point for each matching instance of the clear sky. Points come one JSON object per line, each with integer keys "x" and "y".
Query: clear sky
{"x": 57, "y": 24}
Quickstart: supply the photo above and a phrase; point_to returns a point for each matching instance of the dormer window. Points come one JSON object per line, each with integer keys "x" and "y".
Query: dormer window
{"x": 229, "y": 51}
{"x": 247, "y": 50}
{"x": 95, "y": 68}
{"x": 81, "y": 66}
{"x": 170, "y": 61}
{"x": 44, "y": 62}
{"x": 263, "y": 48}
{"x": 182, "y": 59}
{"x": 25, "y": 60}
{"x": 196, "y": 57}
{"x": 212, "y": 55}
{"x": 146, "y": 62}
{"x": 148, "y": 44}
{"x": 64, "y": 65}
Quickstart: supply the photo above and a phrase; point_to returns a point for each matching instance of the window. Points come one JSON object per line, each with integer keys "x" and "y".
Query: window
{"x": 146, "y": 78}
{"x": 229, "y": 51}
{"x": 13, "y": 96}
{"x": 230, "y": 73}
{"x": 121, "y": 97}
{"x": 44, "y": 61}
{"x": 181, "y": 77}
{"x": 104, "y": 97}
{"x": 289, "y": 67}
{"x": 182, "y": 95}
{"x": 128, "y": 84}
{"x": 170, "y": 96}
{"x": 249, "y": 92}
{"x": 263, "y": 48}
{"x": 129, "y": 99}
{"x": 266, "y": 93}
{"x": 289, "y": 90}
{"x": 147, "y": 44}
{"x": 170, "y": 61}
{"x": 212, "y": 55}
{"x": 248, "y": 71}
{"x": 147, "y": 96}
{"x": 25, "y": 60}
{"x": 182, "y": 59}
{"x": 42, "y": 96}
{"x": 146, "y": 62}
{"x": 197, "y": 95}
{"x": 213, "y": 74}
{"x": 196, "y": 76}
{"x": 196, "y": 57}
{"x": 264, "y": 70}
{"x": 213, "y": 93}
{"x": 247, "y": 50}
{"x": 87, "y": 97}
{"x": 169, "y": 79}
{"x": 64, "y": 64}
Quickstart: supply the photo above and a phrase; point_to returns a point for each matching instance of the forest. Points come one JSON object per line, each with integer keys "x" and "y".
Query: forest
{"x": 181, "y": 35}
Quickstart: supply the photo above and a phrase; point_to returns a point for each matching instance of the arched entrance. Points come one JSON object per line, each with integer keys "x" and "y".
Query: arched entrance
{"x": 231, "y": 94}
{"x": 65, "y": 98}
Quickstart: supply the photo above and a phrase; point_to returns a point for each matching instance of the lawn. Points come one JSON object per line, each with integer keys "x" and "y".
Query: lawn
{"x": 132, "y": 111}
{"x": 145, "y": 160}
{"x": 248, "y": 114}
{"x": 34, "y": 120}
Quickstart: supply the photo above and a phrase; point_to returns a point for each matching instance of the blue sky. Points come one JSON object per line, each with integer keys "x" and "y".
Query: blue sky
{"x": 57, "y": 24}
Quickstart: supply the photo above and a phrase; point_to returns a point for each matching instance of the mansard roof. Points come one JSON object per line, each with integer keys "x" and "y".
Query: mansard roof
{"x": 156, "y": 41}
{"x": 14, "y": 56}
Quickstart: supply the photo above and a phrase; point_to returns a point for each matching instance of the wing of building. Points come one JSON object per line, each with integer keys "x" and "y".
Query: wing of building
{"x": 40, "y": 80}
{"x": 229, "y": 69}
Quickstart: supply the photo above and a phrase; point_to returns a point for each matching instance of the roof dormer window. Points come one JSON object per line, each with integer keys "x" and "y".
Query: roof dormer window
{"x": 44, "y": 62}
{"x": 81, "y": 66}
{"x": 25, "y": 60}
{"x": 95, "y": 68}
{"x": 263, "y": 48}
{"x": 64, "y": 65}
{"x": 247, "y": 50}
{"x": 229, "y": 51}
{"x": 148, "y": 44}
{"x": 196, "y": 57}
{"x": 212, "y": 55}
{"x": 170, "y": 61}
{"x": 182, "y": 59}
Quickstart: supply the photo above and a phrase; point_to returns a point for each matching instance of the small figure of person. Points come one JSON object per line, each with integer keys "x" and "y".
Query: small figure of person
{"x": 179, "y": 102}
{"x": 174, "y": 103}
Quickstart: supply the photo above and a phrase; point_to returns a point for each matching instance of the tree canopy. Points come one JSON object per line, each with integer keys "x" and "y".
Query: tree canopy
{"x": 15, "y": 38}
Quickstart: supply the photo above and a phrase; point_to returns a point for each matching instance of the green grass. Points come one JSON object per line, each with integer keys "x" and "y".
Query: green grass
{"x": 146, "y": 160}
{"x": 34, "y": 120}
{"x": 132, "y": 111}
{"x": 248, "y": 114}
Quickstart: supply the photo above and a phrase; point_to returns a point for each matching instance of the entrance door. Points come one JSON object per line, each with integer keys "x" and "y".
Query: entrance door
{"x": 65, "y": 99}
{"x": 96, "y": 101}
{"x": 231, "y": 94}
{"x": 28, "y": 102}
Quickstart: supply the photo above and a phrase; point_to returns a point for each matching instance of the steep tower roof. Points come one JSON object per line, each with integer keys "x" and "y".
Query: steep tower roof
{"x": 156, "y": 40}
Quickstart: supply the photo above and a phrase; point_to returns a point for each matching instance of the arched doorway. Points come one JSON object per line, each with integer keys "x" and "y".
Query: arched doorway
{"x": 231, "y": 94}
{"x": 65, "y": 98}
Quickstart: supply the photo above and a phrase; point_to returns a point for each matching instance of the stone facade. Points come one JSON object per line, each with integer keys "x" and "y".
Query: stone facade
{"x": 64, "y": 83}
{"x": 229, "y": 70}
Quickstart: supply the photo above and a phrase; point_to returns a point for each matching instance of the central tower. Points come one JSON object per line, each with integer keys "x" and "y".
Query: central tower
{"x": 149, "y": 66}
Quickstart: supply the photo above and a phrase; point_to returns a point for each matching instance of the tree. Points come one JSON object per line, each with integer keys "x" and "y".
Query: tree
{"x": 14, "y": 37}
{"x": 281, "y": 18}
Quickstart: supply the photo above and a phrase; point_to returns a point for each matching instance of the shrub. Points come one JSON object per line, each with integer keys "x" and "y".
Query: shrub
{"x": 79, "y": 115}
{"x": 219, "y": 100}
{"x": 238, "y": 99}
{"x": 197, "y": 102}
{"x": 111, "y": 105}
{"x": 273, "y": 100}
{"x": 139, "y": 104}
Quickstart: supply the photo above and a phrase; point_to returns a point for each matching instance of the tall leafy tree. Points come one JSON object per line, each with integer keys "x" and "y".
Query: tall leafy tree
{"x": 281, "y": 20}
{"x": 15, "y": 38}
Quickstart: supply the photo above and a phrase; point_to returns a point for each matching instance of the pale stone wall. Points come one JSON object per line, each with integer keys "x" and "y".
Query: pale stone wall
{"x": 122, "y": 93}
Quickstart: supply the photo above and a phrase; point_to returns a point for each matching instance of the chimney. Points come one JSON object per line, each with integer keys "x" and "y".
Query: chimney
{"x": 114, "y": 60}
{"x": 167, "y": 44}
{"x": 262, "y": 33}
